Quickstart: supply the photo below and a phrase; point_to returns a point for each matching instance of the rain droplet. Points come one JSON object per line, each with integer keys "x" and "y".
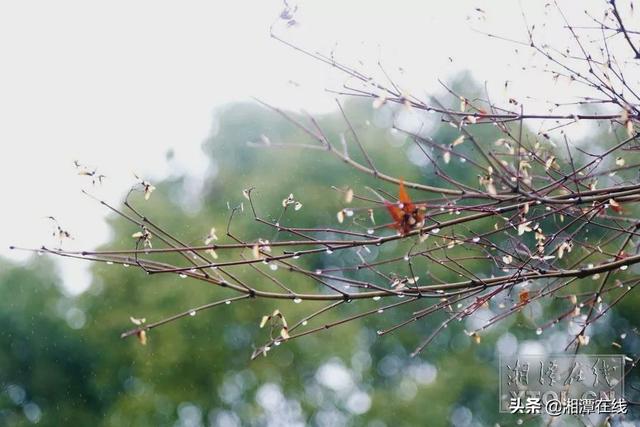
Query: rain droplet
{"x": 227, "y": 302}
{"x": 109, "y": 262}
{"x": 376, "y": 298}
{"x": 624, "y": 267}
{"x": 125, "y": 265}
{"x": 539, "y": 331}
{"x": 348, "y": 212}
{"x": 435, "y": 230}
{"x": 273, "y": 266}
{"x": 277, "y": 343}
{"x": 476, "y": 239}
{"x": 379, "y": 332}
{"x": 406, "y": 257}
{"x": 193, "y": 270}
{"x": 40, "y": 253}
{"x": 304, "y": 323}
{"x": 183, "y": 276}
{"x": 297, "y": 300}
{"x": 296, "y": 256}
{"x": 380, "y": 311}
{"x": 192, "y": 313}
{"x": 318, "y": 271}
{"x": 400, "y": 295}
{"x": 329, "y": 251}
{"x": 370, "y": 231}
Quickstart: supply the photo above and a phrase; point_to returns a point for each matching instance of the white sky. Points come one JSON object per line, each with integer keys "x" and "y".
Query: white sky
{"x": 116, "y": 84}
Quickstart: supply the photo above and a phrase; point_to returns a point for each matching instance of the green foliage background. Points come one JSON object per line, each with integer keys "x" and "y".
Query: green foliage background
{"x": 197, "y": 371}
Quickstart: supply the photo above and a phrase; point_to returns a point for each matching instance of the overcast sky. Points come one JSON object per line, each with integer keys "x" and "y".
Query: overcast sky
{"x": 116, "y": 84}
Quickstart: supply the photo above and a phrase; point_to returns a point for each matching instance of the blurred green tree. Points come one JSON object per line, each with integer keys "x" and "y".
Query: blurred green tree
{"x": 196, "y": 371}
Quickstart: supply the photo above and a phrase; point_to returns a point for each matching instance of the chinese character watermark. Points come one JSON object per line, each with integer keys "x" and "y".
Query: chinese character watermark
{"x": 562, "y": 384}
